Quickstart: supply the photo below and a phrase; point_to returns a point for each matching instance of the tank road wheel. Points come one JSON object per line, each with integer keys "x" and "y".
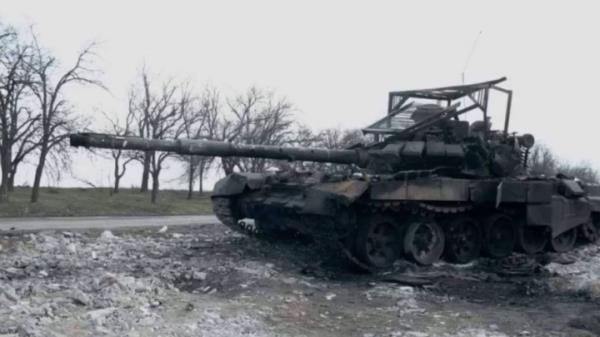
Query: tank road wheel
{"x": 500, "y": 236}
{"x": 463, "y": 240}
{"x": 377, "y": 242}
{"x": 563, "y": 242}
{"x": 589, "y": 232}
{"x": 424, "y": 241}
{"x": 532, "y": 239}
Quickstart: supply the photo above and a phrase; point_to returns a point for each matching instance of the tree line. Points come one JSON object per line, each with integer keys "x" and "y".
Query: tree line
{"x": 171, "y": 108}
{"x": 36, "y": 118}
{"x": 543, "y": 162}
{"x": 35, "y": 115}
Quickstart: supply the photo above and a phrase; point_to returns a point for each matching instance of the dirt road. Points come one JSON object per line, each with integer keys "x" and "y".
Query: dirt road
{"x": 207, "y": 281}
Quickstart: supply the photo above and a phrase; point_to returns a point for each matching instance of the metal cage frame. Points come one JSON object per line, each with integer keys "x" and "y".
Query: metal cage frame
{"x": 477, "y": 93}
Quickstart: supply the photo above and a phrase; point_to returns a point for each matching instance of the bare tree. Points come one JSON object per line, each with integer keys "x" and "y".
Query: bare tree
{"x": 141, "y": 101}
{"x": 337, "y": 138}
{"x": 120, "y": 162}
{"x": 583, "y": 171}
{"x": 340, "y": 139}
{"x": 257, "y": 117}
{"x": 200, "y": 121}
{"x": 56, "y": 116}
{"x": 192, "y": 120}
{"x": 157, "y": 115}
{"x": 332, "y": 138}
{"x": 25, "y": 139}
{"x": 164, "y": 125}
{"x": 227, "y": 131}
{"x": 9, "y": 77}
{"x": 542, "y": 161}
{"x": 210, "y": 104}
{"x": 18, "y": 123}
{"x": 203, "y": 126}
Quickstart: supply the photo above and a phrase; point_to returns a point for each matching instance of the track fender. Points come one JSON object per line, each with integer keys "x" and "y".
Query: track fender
{"x": 237, "y": 183}
{"x": 562, "y": 214}
{"x": 594, "y": 203}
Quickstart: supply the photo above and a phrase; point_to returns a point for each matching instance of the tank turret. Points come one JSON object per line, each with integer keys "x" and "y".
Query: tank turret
{"x": 436, "y": 140}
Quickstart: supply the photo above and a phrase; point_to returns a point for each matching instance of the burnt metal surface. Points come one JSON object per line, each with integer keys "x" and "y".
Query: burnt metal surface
{"x": 236, "y": 183}
{"x": 561, "y": 214}
{"x": 432, "y": 189}
{"x": 427, "y": 173}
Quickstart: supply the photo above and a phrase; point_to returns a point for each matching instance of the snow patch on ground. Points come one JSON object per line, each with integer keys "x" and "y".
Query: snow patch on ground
{"x": 477, "y": 333}
{"x": 215, "y": 324}
{"x": 406, "y": 297}
{"x": 583, "y": 275}
{"x": 471, "y": 332}
{"x": 207, "y": 282}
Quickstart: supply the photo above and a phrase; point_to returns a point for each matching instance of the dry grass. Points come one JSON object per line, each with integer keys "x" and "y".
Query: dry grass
{"x": 99, "y": 202}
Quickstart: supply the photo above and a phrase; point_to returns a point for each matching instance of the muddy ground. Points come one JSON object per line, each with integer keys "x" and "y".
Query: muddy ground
{"x": 207, "y": 281}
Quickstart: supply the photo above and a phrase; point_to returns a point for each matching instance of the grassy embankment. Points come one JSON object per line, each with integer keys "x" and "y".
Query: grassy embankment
{"x": 99, "y": 202}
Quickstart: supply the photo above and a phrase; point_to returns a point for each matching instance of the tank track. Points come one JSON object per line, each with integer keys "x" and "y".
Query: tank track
{"x": 330, "y": 242}
{"x": 327, "y": 242}
{"x": 445, "y": 209}
{"x": 422, "y": 208}
{"x": 224, "y": 210}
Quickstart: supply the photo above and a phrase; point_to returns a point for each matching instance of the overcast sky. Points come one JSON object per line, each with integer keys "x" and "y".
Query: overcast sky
{"x": 336, "y": 60}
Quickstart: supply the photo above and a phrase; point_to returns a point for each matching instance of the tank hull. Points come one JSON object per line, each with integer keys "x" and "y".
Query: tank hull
{"x": 504, "y": 214}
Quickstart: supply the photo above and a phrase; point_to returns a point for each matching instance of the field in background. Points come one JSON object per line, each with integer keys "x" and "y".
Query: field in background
{"x": 99, "y": 202}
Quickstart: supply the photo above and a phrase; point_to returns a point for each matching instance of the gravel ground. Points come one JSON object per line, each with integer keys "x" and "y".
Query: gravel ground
{"x": 207, "y": 281}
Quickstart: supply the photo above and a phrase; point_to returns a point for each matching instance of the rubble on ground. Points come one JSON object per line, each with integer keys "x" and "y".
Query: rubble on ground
{"x": 582, "y": 273}
{"x": 209, "y": 282}
{"x": 56, "y": 283}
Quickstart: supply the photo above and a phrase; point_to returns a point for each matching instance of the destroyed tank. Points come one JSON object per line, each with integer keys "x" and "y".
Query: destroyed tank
{"x": 429, "y": 185}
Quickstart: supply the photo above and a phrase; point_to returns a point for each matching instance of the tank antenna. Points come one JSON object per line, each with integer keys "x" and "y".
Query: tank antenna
{"x": 470, "y": 55}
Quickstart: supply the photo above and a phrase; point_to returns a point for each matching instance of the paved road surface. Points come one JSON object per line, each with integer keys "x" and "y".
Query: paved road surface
{"x": 108, "y": 222}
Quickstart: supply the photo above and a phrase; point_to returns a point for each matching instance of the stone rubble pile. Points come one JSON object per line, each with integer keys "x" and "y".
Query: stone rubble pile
{"x": 66, "y": 284}
{"x": 204, "y": 283}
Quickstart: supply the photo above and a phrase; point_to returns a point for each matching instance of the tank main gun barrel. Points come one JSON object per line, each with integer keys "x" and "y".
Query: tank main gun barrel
{"x": 218, "y": 149}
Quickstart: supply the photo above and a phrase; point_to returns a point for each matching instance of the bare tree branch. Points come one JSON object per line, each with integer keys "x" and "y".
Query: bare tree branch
{"x": 258, "y": 117}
